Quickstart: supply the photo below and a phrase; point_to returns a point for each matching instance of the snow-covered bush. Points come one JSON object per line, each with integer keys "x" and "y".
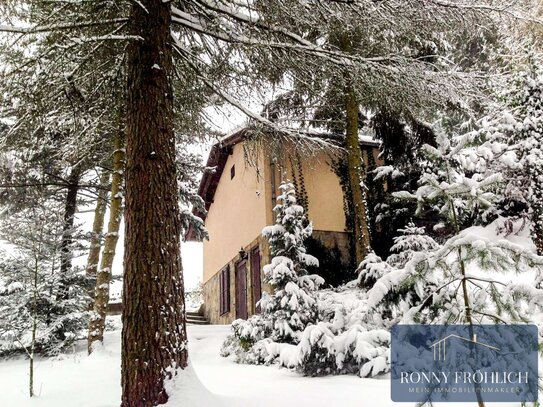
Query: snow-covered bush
{"x": 371, "y": 269}
{"x": 334, "y": 347}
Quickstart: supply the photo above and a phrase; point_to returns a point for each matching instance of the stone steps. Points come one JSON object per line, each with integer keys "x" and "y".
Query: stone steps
{"x": 193, "y": 318}
{"x": 196, "y": 318}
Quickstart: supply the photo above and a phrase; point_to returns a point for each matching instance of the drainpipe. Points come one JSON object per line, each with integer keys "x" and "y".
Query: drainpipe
{"x": 273, "y": 184}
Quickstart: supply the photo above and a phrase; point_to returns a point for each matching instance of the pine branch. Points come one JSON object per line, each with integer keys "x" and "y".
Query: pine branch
{"x": 59, "y": 27}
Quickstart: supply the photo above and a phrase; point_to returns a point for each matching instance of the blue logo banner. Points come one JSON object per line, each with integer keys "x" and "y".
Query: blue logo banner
{"x": 462, "y": 363}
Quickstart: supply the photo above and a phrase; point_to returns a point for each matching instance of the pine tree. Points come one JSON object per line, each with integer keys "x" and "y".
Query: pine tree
{"x": 154, "y": 344}
{"x": 292, "y": 306}
{"x": 512, "y": 135}
{"x": 34, "y": 318}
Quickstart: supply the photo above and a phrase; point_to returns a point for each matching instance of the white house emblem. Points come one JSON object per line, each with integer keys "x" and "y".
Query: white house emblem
{"x": 440, "y": 347}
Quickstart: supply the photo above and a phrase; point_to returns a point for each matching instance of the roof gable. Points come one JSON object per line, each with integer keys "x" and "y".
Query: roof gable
{"x": 216, "y": 162}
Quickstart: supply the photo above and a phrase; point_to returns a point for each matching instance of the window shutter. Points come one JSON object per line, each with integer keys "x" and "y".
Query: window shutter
{"x": 224, "y": 291}
{"x": 227, "y": 290}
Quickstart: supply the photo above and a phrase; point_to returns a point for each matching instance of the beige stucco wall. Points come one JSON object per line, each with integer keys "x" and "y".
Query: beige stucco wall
{"x": 325, "y": 196}
{"x": 243, "y": 205}
{"x": 324, "y": 192}
{"x": 237, "y": 215}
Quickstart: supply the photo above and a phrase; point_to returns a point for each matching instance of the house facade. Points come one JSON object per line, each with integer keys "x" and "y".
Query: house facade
{"x": 240, "y": 197}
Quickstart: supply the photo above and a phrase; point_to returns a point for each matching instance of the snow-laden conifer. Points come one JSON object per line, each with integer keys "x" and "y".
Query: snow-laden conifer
{"x": 37, "y": 315}
{"x": 413, "y": 239}
{"x": 512, "y": 135}
{"x": 473, "y": 276}
{"x": 292, "y": 306}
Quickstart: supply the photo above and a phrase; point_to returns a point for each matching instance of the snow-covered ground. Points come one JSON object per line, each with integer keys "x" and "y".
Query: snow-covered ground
{"x": 75, "y": 380}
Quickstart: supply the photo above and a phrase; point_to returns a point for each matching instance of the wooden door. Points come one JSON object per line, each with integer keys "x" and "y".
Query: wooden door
{"x": 241, "y": 290}
{"x": 256, "y": 279}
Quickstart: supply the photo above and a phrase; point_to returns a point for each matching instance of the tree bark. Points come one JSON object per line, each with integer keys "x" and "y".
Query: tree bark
{"x": 356, "y": 175}
{"x": 154, "y": 342}
{"x": 537, "y": 227}
{"x": 68, "y": 229}
{"x": 97, "y": 228}
{"x": 356, "y": 169}
{"x": 97, "y": 323}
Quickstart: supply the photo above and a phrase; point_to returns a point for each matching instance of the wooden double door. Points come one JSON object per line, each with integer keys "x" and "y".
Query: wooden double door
{"x": 242, "y": 309}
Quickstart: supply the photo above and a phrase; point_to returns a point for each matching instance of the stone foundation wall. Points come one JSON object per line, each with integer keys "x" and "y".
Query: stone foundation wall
{"x": 211, "y": 288}
{"x": 341, "y": 240}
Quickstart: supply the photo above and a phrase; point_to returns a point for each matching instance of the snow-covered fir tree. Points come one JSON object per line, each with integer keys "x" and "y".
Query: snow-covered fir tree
{"x": 471, "y": 277}
{"x": 41, "y": 311}
{"x": 513, "y": 144}
{"x": 413, "y": 239}
{"x": 292, "y": 306}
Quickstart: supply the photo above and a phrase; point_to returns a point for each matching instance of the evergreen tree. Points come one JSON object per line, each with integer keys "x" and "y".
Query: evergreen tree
{"x": 412, "y": 240}
{"x": 292, "y": 306}
{"x": 469, "y": 277}
{"x": 512, "y": 143}
{"x": 37, "y": 314}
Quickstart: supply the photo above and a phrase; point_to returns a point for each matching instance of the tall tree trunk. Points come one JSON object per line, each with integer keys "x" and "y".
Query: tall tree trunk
{"x": 97, "y": 323}
{"x": 32, "y": 352}
{"x": 467, "y": 304}
{"x": 154, "y": 341}
{"x": 356, "y": 175}
{"x": 96, "y": 234}
{"x": 68, "y": 229}
{"x": 356, "y": 169}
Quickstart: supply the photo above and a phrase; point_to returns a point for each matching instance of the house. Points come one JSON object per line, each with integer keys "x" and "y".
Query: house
{"x": 240, "y": 195}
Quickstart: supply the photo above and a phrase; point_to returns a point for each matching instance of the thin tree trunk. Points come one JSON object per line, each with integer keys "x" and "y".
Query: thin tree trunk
{"x": 68, "y": 229}
{"x": 356, "y": 175}
{"x": 96, "y": 236}
{"x": 154, "y": 341}
{"x": 465, "y": 293}
{"x": 34, "y": 327}
{"x": 537, "y": 226}
{"x": 97, "y": 322}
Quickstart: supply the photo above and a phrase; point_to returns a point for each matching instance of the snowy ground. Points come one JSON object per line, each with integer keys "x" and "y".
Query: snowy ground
{"x": 75, "y": 380}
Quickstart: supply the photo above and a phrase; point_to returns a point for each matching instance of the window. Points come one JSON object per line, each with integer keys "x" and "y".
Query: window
{"x": 224, "y": 283}
{"x": 233, "y": 172}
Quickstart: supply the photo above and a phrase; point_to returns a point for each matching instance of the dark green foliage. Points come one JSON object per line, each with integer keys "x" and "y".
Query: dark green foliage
{"x": 333, "y": 266}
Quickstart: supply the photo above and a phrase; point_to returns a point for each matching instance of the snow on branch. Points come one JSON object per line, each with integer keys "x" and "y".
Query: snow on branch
{"x": 295, "y": 134}
{"x": 58, "y": 27}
